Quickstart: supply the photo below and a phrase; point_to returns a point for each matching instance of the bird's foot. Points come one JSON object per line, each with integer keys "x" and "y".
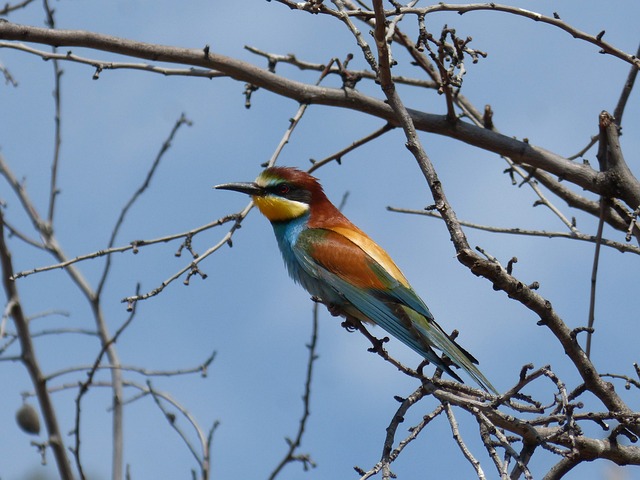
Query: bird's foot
{"x": 348, "y": 326}
{"x": 334, "y": 310}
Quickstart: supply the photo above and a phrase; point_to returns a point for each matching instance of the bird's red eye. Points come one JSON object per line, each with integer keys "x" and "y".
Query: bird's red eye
{"x": 283, "y": 189}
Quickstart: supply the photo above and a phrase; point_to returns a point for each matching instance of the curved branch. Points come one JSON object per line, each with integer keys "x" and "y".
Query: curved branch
{"x": 500, "y": 278}
{"x": 461, "y": 9}
{"x": 626, "y": 91}
{"x": 621, "y": 247}
{"x": 519, "y": 151}
{"x": 30, "y": 360}
{"x": 8, "y": 8}
{"x": 52, "y": 246}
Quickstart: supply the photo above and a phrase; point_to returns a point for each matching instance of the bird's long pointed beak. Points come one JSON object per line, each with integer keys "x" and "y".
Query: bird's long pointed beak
{"x": 249, "y": 188}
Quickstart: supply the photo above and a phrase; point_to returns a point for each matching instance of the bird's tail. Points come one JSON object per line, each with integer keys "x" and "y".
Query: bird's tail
{"x": 460, "y": 357}
{"x": 434, "y": 336}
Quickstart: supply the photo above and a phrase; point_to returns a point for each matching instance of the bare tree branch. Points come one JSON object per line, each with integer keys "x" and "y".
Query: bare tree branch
{"x": 626, "y": 91}
{"x": 621, "y": 247}
{"x": 8, "y": 8}
{"x": 50, "y": 242}
{"x": 101, "y": 66}
{"x": 30, "y": 360}
{"x": 521, "y": 152}
{"x": 494, "y": 273}
{"x": 555, "y": 21}
{"x": 203, "y": 458}
{"x": 183, "y": 120}
{"x": 134, "y": 246}
{"x": 463, "y": 447}
{"x": 57, "y": 72}
{"x": 294, "y": 444}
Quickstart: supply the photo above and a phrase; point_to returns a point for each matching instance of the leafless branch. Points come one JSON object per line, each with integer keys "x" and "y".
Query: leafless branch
{"x": 356, "y": 144}
{"x": 100, "y": 65}
{"x": 8, "y": 8}
{"x": 592, "y": 141}
{"x": 203, "y": 457}
{"x": 520, "y": 152}
{"x": 183, "y": 120}
{"x": 291, "y": 59}
{"x": 134, "y": 246}
{"x": 294, "y": 444}
{"x": 57, "y": 72}
{"x": 463, "y": 447}
{"x": 30, "y": 360}
{"x": 389, "y": 454}
{"x": 45, "y": 230}
{"x": 626, "y": 91}
{"x": 621, "y": 247}
{"x": 594, "y": 278}
{"x": 461, "y": 9}
{"x": 526, "y": 172}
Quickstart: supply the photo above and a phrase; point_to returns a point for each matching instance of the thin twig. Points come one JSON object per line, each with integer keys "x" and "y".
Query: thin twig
{"x": 622, "y": 247}
{"x": 57, "y": 72}
{"x": 459, "y": 440}
{"x": 204, "y": 440}
{"x": 597, "y": 40}
{"x": 594, "y": 278}
{"x": 358, "y": 143}
{"x": 8, "y": 8}
{"x": 101, "y": 65}
{"x": 294, "y": 444}
{"x": 388, "y": 453}
{"x": 84, "y": 388}
{"x": 291, "y": 59}
{"x": 30, "y": 360}
{"x": 626, "y": 91}
{"x": 592, "y": 141}
{"x": 134, "y": 246}
{"x": 193, "y": 266}
{"x": 183, "y": 120}
{"x": 134, "y": 369}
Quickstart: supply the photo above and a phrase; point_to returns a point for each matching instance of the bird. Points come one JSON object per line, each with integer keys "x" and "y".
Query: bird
{"x": 342, "y": 267}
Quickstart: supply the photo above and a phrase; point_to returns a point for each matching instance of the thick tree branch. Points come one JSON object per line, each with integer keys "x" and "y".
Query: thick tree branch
{"x": 461, "y": 9}
{"x": 30, "y": 360}
{"x": 520, "y": 152}
{"x": 619, "y": 176}
{"x": 45, "y": 230}
{"x": 494, "y": 272}
{"x": 616, "y": 219}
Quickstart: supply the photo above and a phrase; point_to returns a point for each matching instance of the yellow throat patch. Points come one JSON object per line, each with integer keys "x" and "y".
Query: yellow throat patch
{"x": 278, "y": 209}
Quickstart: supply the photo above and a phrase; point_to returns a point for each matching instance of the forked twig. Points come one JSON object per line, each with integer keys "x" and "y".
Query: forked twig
{"x": 294, "y": 444}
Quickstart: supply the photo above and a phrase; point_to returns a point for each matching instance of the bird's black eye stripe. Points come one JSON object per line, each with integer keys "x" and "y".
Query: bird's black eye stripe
{"x": 281, "y": 189}
{"x": 290, "y": 191}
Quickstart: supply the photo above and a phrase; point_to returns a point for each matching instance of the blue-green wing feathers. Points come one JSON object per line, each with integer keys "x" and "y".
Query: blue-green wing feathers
{"x": 356, "y": 280}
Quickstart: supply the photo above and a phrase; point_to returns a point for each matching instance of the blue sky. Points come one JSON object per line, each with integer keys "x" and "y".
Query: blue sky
{"x": 541, "y": 83}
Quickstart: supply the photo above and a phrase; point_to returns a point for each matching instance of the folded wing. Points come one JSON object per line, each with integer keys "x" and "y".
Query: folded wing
{"x": 366, "y": 277}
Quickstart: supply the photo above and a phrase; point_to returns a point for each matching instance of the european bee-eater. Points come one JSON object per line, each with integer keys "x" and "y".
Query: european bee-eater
{"x": 339, "y": 264}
